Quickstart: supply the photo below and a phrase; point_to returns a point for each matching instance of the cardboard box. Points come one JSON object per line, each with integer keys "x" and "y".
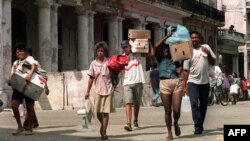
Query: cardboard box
{"x": 139, "y": 45}
{"x": 32, "y": 89}
{"x": 181, "y": 51}
{"x": 139, "y": 34}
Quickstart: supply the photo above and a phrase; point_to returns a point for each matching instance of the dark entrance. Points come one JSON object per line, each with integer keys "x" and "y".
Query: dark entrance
{"x": 18, "y": 26}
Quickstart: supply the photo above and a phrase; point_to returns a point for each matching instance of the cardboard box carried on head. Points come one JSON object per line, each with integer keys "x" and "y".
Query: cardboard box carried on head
{"x": 139, "y": 40}
{"x": 139, "y": 34}
{"x": 181, "y": 51}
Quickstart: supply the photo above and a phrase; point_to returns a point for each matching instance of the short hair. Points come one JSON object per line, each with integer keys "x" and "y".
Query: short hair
{"x": 103, "y": 45}
{"x": 125, "y": 43}
{"x": 20, "y": 46}
{"x": 195, "y": 32}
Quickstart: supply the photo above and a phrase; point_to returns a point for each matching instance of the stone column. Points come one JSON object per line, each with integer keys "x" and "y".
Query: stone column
{"x": 141, "y": 24}
{"x": 246, "y": 61}
{"x": 83, "y": 39}
{"x": 54, "y": 37}
{"x": 44, "y": 34}
{"x": 5, "y": 50}
{"x": 91, "y": 36}
{"x": 1, "y": 49}
{"x": 236, "y": 63}
{"x": 113, "y": 35}
{"x": 157, "y": 33}
{"x": 120, "y": 34}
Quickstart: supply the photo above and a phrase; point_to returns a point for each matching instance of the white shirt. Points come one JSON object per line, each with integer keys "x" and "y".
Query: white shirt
{"x": 198, "y": 66}
{"x": 19, "y": 63}
{"x": 216, "y": 74}
{"x": 133, "y": 71}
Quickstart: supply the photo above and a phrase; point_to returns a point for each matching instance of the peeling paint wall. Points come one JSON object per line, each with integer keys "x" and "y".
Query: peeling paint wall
{"x": 67, "y": 90}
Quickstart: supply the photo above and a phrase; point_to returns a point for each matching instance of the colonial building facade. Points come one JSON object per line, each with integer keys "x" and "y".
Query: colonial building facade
{"x": 232, "y": 54}
{"x": 62, "y": 34}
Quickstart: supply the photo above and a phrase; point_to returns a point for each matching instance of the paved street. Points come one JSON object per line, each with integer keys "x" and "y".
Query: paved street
{"x": 66, "y": 126}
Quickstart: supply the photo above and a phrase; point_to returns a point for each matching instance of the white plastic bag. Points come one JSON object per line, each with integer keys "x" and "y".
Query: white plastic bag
{"x": 248, "y": 92}
{"x": 185, "y": 104}
{"x": 87, "y": 110}
{"x": 234, "y": 89}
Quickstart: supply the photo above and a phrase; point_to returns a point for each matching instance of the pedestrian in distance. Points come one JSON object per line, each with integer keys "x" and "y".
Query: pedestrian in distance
{"x": 196, "y": 79}
{"x": 154, "y": 84}
{"x": 244, "y": 88}
{"x": 170, "y": 87}
{"x": 133, "y": 85}
{"x": 99, "y": 76}
{"x": 18, "y": 97}
{"x": 234, "y": 91}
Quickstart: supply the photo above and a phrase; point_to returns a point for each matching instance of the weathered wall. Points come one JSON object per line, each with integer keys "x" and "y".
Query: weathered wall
{"x": 67, "y": 91}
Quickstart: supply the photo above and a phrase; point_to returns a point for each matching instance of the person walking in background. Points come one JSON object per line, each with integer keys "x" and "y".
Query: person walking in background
{"x": 196, "y": 80}
{"x": 215, "y": 81}
{"x": 234, "y": 91}
{"x": 170, "y": 87}
{"x": 99, "y": 75}
{"x": 18, "y": 97}
{"x": 244, "y": 88}
{"x": 133, "y": 85}
{"x": 154, "y": 83}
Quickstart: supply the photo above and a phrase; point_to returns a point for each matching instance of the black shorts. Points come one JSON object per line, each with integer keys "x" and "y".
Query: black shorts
{"x": 16, "y": 95}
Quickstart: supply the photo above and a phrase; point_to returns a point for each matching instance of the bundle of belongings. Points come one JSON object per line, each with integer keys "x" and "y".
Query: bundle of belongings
{"x": 180, "y": 43}
{"x": 116, "y": 64}
{"x": 33, "y": 88}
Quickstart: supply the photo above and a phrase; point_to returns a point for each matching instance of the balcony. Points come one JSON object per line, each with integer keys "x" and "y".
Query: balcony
{"x": 196, "y": 7}
{"x": 226, "y": 36}
{"x": 204, "y": 10}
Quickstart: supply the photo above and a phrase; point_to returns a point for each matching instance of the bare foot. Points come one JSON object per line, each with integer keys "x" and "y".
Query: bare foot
{"x": 170, "y": 137}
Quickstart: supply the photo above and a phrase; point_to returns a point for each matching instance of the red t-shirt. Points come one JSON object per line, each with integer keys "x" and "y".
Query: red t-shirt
{"x": 243, "y": 85}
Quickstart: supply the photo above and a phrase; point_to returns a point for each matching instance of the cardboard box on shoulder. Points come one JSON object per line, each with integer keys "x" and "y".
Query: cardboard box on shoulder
{"x": 32, "y": 89}
{"x": 181, "y": 51}
{"x": 139, "y": 34}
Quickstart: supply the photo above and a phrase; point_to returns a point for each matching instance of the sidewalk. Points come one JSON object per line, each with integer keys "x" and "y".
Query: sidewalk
{"x": 66, "y": 125}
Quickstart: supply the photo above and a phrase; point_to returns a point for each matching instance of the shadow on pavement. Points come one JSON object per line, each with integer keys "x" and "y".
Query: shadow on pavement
{"x": 210, "y": 132}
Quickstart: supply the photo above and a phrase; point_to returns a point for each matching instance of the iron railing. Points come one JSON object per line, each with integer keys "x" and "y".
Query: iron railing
{"x": 198, "y": 8}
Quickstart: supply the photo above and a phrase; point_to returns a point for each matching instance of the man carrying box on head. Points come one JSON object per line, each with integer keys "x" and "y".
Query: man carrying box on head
{"x": 133, "y": 85}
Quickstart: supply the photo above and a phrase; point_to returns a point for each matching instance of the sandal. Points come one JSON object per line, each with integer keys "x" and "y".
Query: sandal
{"x": 18, "y": 131}
{"x": 28, "y": 133}
{"x": 177, "y": 129}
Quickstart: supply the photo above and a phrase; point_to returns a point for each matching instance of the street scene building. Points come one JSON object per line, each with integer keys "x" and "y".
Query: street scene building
{"x": 62, "y": 34}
